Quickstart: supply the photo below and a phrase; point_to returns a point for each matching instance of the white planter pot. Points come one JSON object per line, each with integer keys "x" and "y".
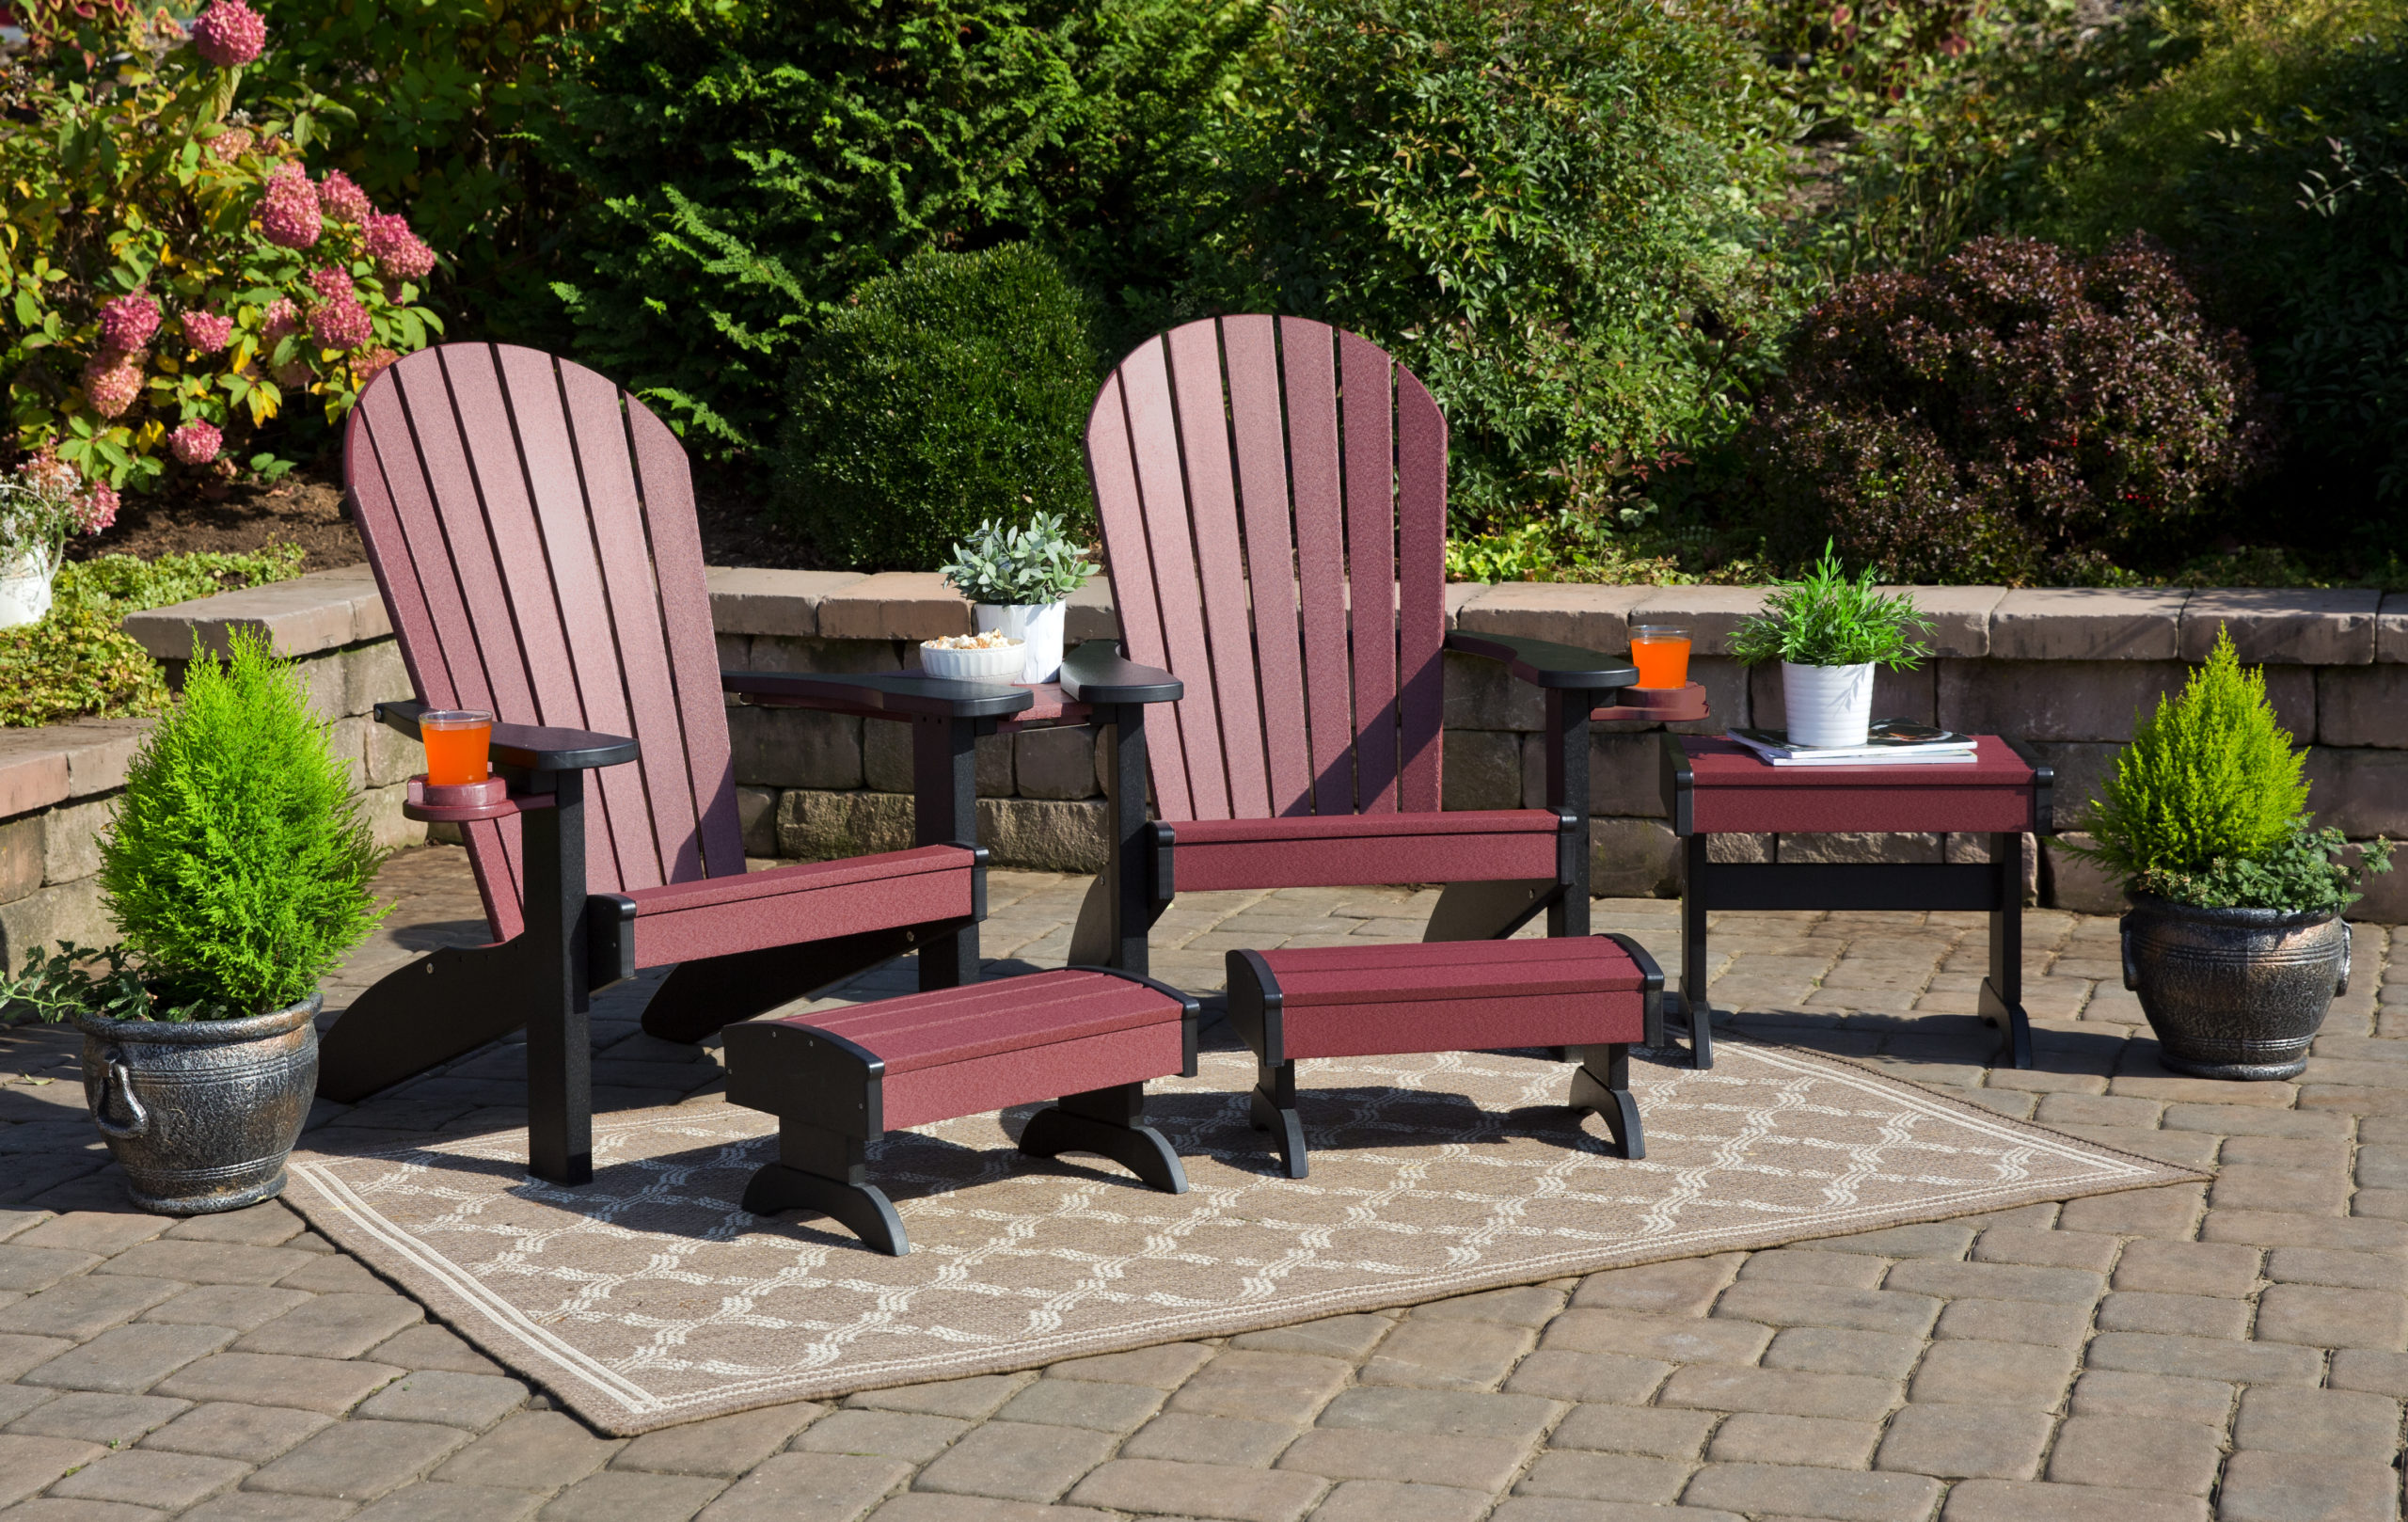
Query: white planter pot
{"x": 24, "y": 588}
{"x": 1826, "y": 704}
{"x": 1036, "y": 626}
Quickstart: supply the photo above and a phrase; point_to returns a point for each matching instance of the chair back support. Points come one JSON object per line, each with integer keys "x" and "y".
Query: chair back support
{"x": 1272, "y": 494}
{"x": 531, "y": 526}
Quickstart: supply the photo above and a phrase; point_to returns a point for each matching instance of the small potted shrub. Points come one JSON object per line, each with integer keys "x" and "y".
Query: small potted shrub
{"x": 1828, "y": 633}
{"x": 1016, "y": 581}
{"x": 2234, "y": 942}
{"x": 238, "y": 871}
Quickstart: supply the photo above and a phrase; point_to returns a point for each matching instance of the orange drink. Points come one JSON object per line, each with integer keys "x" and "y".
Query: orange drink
{"x": 455, "y": 741}
{"x": 1661, "y": 654}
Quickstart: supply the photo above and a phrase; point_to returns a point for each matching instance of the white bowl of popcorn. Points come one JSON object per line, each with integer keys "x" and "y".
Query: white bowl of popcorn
{"x": 982, "y": 658}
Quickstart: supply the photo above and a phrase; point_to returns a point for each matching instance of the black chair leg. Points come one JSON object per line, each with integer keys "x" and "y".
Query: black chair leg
{"x": 1110, "y": 1122}
{"x": 1608, "y": 1092}
{"x": 1275, "y": 1111}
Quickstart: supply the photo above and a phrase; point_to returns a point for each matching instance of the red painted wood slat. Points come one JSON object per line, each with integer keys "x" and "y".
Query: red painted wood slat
{"x": 1308, "y": 368}
{"x": 1111, "y": 469}
{"x": 1220, "y": 566}
{"x": 1252, "y": 356}
{"x": 1368, "y": 401}
{"x": 1421, "y": 591}
{"x": 1145, "y": 380}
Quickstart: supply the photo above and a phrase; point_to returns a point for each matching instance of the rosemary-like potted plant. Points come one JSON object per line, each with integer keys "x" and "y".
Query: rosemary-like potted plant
{"x": 2234, "y": 942}
{"x": 238, "y": 871}
{"x": 1828, "y": 632}
{"x": 1017, "y": 581}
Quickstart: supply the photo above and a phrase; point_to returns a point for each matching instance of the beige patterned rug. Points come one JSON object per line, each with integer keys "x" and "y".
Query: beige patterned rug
{"x": 648, "y": 1297}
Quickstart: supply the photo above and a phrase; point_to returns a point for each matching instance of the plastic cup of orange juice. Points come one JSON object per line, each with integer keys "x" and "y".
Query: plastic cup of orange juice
{"x": 455, "y": 740}
{"x": 1661, "y": 653}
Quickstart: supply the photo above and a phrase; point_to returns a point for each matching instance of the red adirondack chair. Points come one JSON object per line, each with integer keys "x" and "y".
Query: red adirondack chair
{"x": 531, "y": 526}
{"x": 1272, "y": 494}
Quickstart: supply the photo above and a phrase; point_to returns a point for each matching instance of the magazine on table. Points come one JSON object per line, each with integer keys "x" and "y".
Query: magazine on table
{"x": 1888, "y": 742}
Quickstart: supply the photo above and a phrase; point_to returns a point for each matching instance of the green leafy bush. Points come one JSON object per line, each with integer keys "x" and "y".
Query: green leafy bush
{"x": 2305, "y": 873}
{"x": 239, "y": 870}
{"x": 2012, "y": 415}
{"x": 1558, "y": 213}
{"x": 2210, "y": 777}
{"x": 1826, "y": 619}
{"x": 951, "y": 391}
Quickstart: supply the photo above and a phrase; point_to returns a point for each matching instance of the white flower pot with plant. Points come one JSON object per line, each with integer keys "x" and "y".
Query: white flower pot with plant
{"x": 1017, "y": 581}
{"x": 239, "y": 872}
{"x": 40, "y": 504}
{"x": 1828, "y": 633}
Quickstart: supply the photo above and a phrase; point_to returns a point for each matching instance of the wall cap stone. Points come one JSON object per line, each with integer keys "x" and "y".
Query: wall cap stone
{"x": 321, "y": 611}
{"x": 2308, "y": 626}
{"x": 1586, "y": 617}
{"x": 57, "y": 762}
{"x": 1960, "y": 617}
{"x": 2391, "y": 628}
{"x": 1711, "y": 613}
{"x": 895, "y": 605}
{"x": 2088, "y": 623}
{"x": 754, "y": 599}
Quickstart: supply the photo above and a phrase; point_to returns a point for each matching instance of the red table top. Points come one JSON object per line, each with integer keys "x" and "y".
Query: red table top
{"x": 1735, "y": 791}
{"x": 1714, "y": 762}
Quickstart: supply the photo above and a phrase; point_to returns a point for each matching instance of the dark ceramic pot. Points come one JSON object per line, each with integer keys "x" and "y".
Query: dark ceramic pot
{"x": 2233, "y": 992}
{"x": 201, "y": 1113}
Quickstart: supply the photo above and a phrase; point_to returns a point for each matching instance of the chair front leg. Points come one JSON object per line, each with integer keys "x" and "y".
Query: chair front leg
{"x": 944, "y": 812}
{"x": 560, "y": 1045}
{"x": 1135, "y": 886}
{"x": 1567, "y": 794}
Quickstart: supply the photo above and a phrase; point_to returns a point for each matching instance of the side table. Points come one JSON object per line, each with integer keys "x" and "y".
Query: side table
{"x": 1718, "y": 787}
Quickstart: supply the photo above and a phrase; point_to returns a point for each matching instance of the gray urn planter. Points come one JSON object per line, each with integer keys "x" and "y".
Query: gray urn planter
{"x": 2234, "y": 992}
{"x": 201, "y": 1113}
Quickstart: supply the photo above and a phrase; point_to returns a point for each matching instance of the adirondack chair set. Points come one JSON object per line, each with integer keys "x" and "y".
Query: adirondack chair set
{"x": 1272, "y": 497}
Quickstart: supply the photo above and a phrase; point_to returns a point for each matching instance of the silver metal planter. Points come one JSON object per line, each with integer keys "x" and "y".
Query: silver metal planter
{"x": 201, "y": 1113}
{"x": 2234, "y": 992}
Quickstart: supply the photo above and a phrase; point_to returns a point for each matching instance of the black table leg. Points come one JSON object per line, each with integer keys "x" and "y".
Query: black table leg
{"x": 1693, "y": 901}
{"x": 2002, "y": 990}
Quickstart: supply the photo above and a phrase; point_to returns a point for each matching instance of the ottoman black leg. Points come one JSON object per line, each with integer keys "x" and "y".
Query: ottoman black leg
{"x": 1694, "y": 900}
{"x": 2001, "y": 999}
{"x": 824, "y": 1172}
{"x": 1602, "y": 1083}
{"x": 1111, "y": 1121}
{"x": 1275, "y": 1111}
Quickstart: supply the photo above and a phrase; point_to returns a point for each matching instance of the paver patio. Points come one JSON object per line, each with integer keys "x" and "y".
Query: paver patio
{"x": 2148, "y": 1356}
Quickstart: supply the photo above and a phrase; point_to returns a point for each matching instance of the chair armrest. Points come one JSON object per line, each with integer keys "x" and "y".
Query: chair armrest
{"x": 1543, "y": 663}
{"x": 530, "y": 747}
{"x": 1095, "y": 672}
{"x": 886, "y": 695}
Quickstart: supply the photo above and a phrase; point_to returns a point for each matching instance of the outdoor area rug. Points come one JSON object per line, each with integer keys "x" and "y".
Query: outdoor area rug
{"x": 649, "y": 1297}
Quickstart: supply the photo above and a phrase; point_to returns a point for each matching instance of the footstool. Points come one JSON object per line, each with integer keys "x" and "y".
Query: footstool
{"x": 1590, "y": 997}
{"x": 839, "y": 1081}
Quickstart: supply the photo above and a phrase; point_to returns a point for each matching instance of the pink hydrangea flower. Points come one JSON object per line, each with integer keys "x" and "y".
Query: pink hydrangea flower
{"x": 98, "y": 507}
{"x": 231, "y": 144}
{"x": 283, "y": 320}
{"x": 196, "y": 442}
{"x": 375, "y": 365}
{"x": 294, "y": 375}
{"x": 112, "y": 381}
{"x": 340, "y": 199}
{"x": 332, "y": 284}
{"x": 342, "y": 324}
{"x": 229, "y": 34}
{"x": 400, "y": 254}
{"x": 206, "y": 331}
{"x": 128, "y": 323}
{"x": 289, "y": 216}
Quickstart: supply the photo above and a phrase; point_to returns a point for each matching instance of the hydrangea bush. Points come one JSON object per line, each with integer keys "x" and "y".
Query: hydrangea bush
{"x": 177, "y": 289}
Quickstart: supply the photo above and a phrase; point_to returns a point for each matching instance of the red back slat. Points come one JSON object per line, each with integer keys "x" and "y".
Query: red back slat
{"x": 1252, "y": 347}
{"x": 1308, "y": 367}
{"x": 1111, "y": 469}
{"x": 1371, "y": 567}
{"x": 1422, "y": 563}
{"x": 1220, "y": 569}
{"x": 531, "y": 528}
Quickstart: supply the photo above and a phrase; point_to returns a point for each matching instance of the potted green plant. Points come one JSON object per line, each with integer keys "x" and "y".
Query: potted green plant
{"x": 2234, "y": 942}
{"x": 1017, "y": 581}
{"x": 41, "y": 503}
{"x": 238, "y": 872}
{"x": 1828, "y": 632}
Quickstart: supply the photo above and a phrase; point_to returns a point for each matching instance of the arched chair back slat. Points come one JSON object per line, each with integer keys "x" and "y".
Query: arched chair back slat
{"x": 1272, "y": 494}
{"x": 531, "y": 526}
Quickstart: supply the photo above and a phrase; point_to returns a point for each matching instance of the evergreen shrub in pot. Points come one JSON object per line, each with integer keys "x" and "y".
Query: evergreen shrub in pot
{"x": 1828, "y": 632}
{"x": 238, "y": 872}
{"x": 2234, "y": 942}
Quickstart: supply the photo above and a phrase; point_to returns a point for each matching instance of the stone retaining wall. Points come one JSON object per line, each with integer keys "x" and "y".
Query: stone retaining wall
{"x": 2064, "y": 670}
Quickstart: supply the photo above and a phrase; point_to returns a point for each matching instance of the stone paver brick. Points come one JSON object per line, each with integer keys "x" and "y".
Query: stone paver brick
{"x": 837, "y": 1487}
{"x": 2087, "y": 1250}
{"x": 1529, "y": 1305}
{"x": 2025, "y": 1375}
{"x": 2329, "y": 1318}
{"x": 2013, "y": 1320}
{"x": 1795, "y": 1490}
{"x": 432, "y": 1503}
{"x": 2279, "y": 1189}
{"x": 895, "y": 1435}
{"x": 141, "y": 1476}
{"x": 207, "y": 1262}
{"x": 241, "y": 1307}
{"x": 333, "y": 1326}
{"x": 1271, "y": 1387}
{"x": 2013, "y": 1501}
{"x": 330, "y": 1385}
{"x": 1796, "y": 1265}
{"x": 1332, "y": 1337}
{"x": 2136, "y": 1452}
{"x": 1941, "y": 1241}
{"x": 1560, "y": 1509}
{"x": 105, "y": 1232}
{"x": 1672, "y": 1338}
{"x": 2105, "y": 1392}
{"x": 28, "y": 1269}
{"x": 1752, "y": 1437}
{"x": 2168, "y": 1213}
{"x": 536, "y": 1450}
{"x": 2377, "y": 1374}
{"x": 2182, "y": 1315}
{"x": 1824, "y": 1305}
{"x": 1384, "y": 1500}
{"x": 1686, "y": 1286}
{"x": 1620, "y": 1478}
{"x": 1648, "y": 1429}
{"x": 2236, "y": 1120}
{"x": 2343, "y": 1423}
{"x": 129, "y": 1359}
{"x": 2308, "y": 1487}
{"x": 333, "y": 1274}
{"x": 1520, "y": 1418}
{"x": 1587, "y": 1376}
{"x": 1780, "y": 1392}
{"x": 475, "y": 1401}
{"x": 19, "y": 1352}
{"x": 1824, "y": 1350}
{"x": 1965, "y": 1442}
{"x": 1201, "y": 1490}
{"x": 1999, "y": 1281}
{"x": 86, "y": 1306}
{"x": 2341, "y": 1270}
{"x": 1449, "y": 1354}
{"x": 1423, "y": 1458}
{"x": 264, "y": 1225}
{"x": 631, "y": 1496}
{"x": 1162, "y": 1367}
{"x": 57, "y": 1508}
{"x": 1081, "y": 1402}
{"x": 1190, "y": 1439}
{"x": 1017, "y": 1461}
{"x": 721, "y": 1446}
{"x": 2283, "y": 1228}
{"x": 428, "y": 1346}
{"x": 359, "y": 1461}
{"x": 94, "y": 1417}
{"x": 28, "y": 1464}
{"x": 2204, "y": 1357}
{"x": 2214, "y": 1268}
{"x": 927, "y": 1506}
{"x": 227, "y": 1430}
